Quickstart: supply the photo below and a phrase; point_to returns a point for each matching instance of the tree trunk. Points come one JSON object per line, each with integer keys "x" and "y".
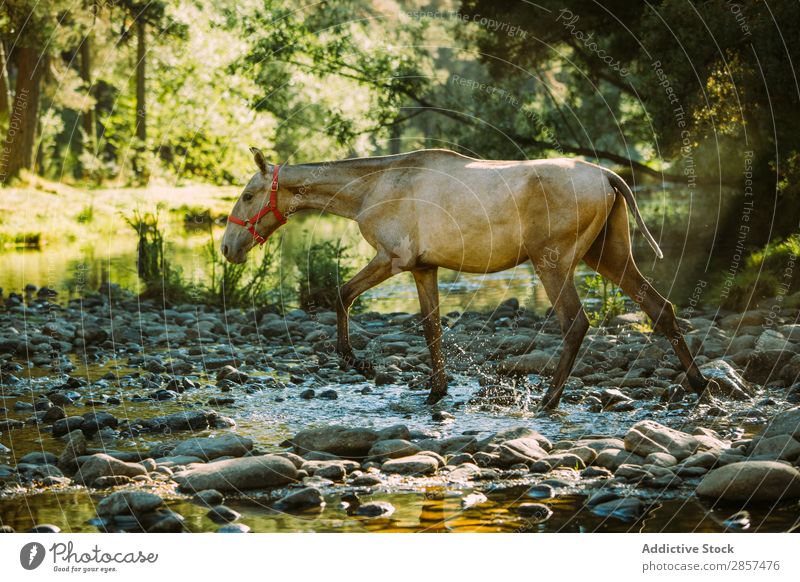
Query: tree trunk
{"x": 141, "y": 111}
{"x": 17, "y": 154}
{"x": 87, "y": 117}
{"x": 5, "y": 88}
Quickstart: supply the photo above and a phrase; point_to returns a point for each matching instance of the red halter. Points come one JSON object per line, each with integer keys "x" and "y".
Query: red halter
{"x": 272, "y": 206}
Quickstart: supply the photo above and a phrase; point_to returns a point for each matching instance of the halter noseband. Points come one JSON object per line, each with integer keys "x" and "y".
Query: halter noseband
{"x": 271, "y": 206}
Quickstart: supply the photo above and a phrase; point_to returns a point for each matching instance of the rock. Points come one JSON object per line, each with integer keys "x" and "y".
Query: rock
{"x": 397, "y": 431}
{"x": 661, "y": 460}
{"x": 171, "y": 522}
{"x": 335, "y": 439}
{"x": 412, "y": 465}
{"x": 784, "y": 423}
{"x": 366, "y": 480}
{"x": 53, "y": 414}
{"x": 647, "y": 437}
{"x": 375, "y": 509}
{"x": 307, "y": 498}
{"x": 101, "y": 465}
{"x": 705, "y": 459}
{"x": 184, "y": 420}
{"x": 521, "y": 450}
{"x": 393, "y": 449}
{"x": 451, "y": 445}
{"x": 234, "y": 528}
{"x": 460, "y": 458}
{"x": 613, "y": 459}
{"x": 752, "y": 481}
{"x": 226, "y": 445}
{"x": 111, "y": 481}
{"x": 442, "y": 416}
{"x": 473, "y": 500}
{"x": 516, "y": 433}
{"x": 44, "y": 528}
{"x": 38, "y": 458}
{"x": 129, "y": 503}
{"x": 95, "y": 421}
{"x": 541, "y": 491}
{"x": 625, "y": 509}
{"x": 67, "y": 425}
{"x": 75, "y": 447}
{"x": 223, "y": 514}
{"x": 535, "y": 362}
{"x": 534, "y": 512}
{"x": 782, "y": 447}
{"x": 729, "y": 383}
{"x": 209, "y": 497}
{"x": 333, "y": 472}
{"x": 307, "y": 394}
{"x": 238, "y": 474}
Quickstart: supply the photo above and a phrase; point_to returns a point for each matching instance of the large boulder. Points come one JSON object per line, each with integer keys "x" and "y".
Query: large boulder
{"x": 335, "y": 439}
{"x": 226, "y": 445}
{"x": 238, "y": 474}
{"x": 752, "y": 481}
{"x": 647, "y": 436}
{"x": 102, "y": 465}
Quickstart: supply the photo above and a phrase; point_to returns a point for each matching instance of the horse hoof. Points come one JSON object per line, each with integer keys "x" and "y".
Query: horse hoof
{"x": 435, "y": 396}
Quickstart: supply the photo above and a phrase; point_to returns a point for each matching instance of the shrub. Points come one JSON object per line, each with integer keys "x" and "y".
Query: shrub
{"x": 320, "y": 273}
{"x": 159, "y": 277}
{"x": 767, "y": 272}
{"x": 608, "y": 298}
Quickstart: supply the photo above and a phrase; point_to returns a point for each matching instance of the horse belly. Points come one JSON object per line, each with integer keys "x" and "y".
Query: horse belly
{"x": 472, "y": 246}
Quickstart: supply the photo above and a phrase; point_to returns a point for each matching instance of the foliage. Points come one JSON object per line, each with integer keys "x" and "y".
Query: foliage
{"x": 608, "y": 297}
{"x": 160, "y": 278}
{"x": 321, "y": 272}
{"x": 769, "y": 272}
{"x": 239, "y": 285}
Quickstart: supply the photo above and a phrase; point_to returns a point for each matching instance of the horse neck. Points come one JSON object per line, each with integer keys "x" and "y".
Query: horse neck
{"x": 335, "y": 187}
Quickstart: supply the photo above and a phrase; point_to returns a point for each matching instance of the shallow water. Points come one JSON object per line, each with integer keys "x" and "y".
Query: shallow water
{"x": 425, "y": 506}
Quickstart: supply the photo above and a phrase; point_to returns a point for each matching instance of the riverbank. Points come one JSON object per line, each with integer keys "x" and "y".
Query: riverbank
{"x": 135, "y": 409}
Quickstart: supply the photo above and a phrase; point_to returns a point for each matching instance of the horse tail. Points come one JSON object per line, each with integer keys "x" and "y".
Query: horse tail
{"x": 620, "y": 187}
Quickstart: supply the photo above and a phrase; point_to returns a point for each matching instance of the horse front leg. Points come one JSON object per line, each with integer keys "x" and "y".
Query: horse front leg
{"x": 377, "y": 270}
{"x": 428, "y": 290}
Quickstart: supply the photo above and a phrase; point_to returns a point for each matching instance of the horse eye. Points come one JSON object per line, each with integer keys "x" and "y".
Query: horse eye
{"x": 247, "y": 197}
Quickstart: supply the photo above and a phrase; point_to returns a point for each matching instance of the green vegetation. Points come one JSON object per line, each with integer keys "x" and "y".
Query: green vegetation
{"x": 121, "y": 92}
{"x": 608, "y": 297}
{"x": 321, "y": 272}
{"x": 161, "y": 280}
{"x": 768, "y": 272}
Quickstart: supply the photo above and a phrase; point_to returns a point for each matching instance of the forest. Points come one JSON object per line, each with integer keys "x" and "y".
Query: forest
{"x": 131, "y": 93}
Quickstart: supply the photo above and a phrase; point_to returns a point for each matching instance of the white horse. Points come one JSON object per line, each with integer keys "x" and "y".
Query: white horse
{"x": 436, "y": 208}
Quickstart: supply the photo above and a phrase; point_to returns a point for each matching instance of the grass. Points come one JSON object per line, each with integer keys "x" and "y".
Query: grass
{"x": 767, "y": 272}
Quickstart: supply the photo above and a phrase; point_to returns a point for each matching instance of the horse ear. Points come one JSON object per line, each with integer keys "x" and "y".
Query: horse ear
{"x": 260, "y": 160}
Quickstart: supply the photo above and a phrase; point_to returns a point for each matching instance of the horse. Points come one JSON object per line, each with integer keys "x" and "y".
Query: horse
{"x": 435, "y": 208}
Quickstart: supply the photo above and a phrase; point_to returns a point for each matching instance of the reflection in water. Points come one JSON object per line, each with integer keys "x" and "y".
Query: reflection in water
{"x": 436, "y": 510}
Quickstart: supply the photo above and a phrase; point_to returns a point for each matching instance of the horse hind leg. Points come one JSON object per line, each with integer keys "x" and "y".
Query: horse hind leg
{"x": 611, "y": 256}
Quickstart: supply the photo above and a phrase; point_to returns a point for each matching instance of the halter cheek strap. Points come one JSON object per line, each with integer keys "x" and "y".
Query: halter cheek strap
{"x": 271, "y": 206}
